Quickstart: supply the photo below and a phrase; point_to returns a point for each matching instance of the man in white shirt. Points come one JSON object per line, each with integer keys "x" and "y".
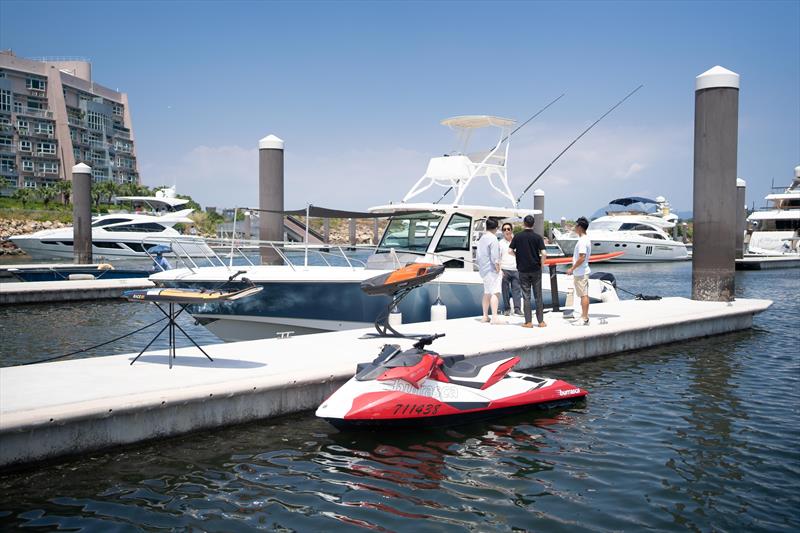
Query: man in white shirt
{"x": 488, "y": 259}
{"x": 580, "y": 267}
{"x": 512, "y": 295}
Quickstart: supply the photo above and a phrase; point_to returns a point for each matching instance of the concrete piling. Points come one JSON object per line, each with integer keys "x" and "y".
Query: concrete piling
{"x": 741, "y": 216}
{"x": 352, "y": 232}
{"x": 270, "y": 195}
{"x": 538, "y": 204}
{"x": 326, "y": 230}
{"x": 82, "y": 213}
{"x": 715, "y": 205}
{"x": 376, "y": 237}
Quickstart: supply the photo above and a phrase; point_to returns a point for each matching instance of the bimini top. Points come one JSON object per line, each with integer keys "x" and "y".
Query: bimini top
{"x": 632, "y": 200}
{"x": 165, "y": 200}
{"x": 466, "y": 122}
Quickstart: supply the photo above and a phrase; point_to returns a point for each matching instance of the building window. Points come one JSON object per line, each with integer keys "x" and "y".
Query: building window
{"x": 36, "y": 84}
{"x": 22, "y": 126}
{"x": 7, "y": 164}
{"x": 30, "y": 184}
{"x": 48, "y": 167}
{"x": 6, "y": 142}
{"x": 5, "y": 100}
{"x": 27, "y": 165}
{"x": 44, "y": 128}
{"x": 96, "y": 121}
{"x": 46, "y": 148}
{"x": 24, "y": 146}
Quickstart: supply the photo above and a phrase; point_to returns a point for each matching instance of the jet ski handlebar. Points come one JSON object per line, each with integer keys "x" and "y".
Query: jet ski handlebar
{"x": 428, "y": 339}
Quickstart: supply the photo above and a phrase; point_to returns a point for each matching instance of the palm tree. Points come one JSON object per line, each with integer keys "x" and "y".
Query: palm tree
{"x": 108, "y": 188}
{"x": 47, "y": 193}
{"x": 64, "y": 187}
{"x": 24, "y": 195}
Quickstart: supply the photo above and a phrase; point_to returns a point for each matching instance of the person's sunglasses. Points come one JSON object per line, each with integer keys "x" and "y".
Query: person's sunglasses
{"x": 506, "y": 229}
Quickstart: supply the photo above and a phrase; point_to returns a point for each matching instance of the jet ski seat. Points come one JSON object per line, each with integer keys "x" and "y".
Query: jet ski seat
{"x": 469, "y": 368}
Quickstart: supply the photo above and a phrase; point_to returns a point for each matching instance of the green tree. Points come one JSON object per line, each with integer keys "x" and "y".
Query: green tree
{"x": 47, "y": 193}
{"x": 24, "y": 195}
{"x": 64, "y": 188}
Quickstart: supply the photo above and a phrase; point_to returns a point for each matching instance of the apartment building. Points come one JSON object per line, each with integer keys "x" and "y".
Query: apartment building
{"x": 53, "y": 116}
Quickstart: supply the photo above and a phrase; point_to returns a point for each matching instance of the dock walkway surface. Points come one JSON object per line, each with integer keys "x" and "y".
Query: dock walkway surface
{"x": 63, "y": 408}
{"x": 34, "y": 292}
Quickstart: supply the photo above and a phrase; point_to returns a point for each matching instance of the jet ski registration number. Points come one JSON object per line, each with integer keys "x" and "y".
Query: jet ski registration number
{"x": 416, "y": 408}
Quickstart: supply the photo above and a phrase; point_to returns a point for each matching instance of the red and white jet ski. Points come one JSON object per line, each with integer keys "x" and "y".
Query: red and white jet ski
{"x": 418, "y": 387}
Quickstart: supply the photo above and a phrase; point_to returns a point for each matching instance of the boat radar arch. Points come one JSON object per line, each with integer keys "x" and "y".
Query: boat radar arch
{"x": 457, "y": 170}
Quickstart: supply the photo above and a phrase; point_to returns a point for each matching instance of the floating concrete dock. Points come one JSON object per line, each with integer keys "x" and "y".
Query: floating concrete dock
{"x": 56, "y": 409}
{"x": 760, "y": 262}
{"x": 33, "y": 292}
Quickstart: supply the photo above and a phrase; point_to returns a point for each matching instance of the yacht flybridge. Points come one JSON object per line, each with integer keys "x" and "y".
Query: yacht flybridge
{"x": 306, "y": 299}
{"x": 634, "y": 225}
{"x": 776, "y": 230}
{"x": 123, "y": 234}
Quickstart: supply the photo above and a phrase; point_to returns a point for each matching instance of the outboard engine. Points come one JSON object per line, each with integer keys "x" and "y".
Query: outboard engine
{"x": 604, "y": 276}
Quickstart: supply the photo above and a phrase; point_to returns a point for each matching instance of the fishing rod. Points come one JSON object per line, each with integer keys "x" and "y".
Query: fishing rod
{"x": 509, "y": 136}
{"x": 576, "y": 140}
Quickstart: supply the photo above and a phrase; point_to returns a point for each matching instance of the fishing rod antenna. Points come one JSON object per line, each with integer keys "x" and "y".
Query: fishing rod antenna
{"x": 576, "y": 140}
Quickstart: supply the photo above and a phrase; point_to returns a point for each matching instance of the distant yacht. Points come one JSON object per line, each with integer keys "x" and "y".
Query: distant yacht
{"x": 121, "y": 234}
{"x": 633, "y": 225}
{"x": 776, "y": 230}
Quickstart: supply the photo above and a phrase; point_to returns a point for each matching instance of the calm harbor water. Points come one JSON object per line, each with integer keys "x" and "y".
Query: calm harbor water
{"x": 701, "y": 435}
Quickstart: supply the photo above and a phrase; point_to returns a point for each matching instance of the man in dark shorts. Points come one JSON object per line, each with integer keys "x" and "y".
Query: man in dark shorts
{"x": 528, "y": 247}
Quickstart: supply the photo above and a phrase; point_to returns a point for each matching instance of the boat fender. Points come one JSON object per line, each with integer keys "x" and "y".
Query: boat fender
{"x": 80, "y": 277}
{"x": 395, "y": 317}
{"x": 438, "y": 311}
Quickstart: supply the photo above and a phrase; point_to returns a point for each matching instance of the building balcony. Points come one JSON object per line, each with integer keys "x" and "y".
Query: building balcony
{"x": 40, "y": 155}
{"x": 9, "y": 173}
{"x": 39, "y": 113}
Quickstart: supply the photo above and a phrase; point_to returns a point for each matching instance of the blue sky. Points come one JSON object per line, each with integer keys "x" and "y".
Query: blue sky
{"x": 357, "y": 90}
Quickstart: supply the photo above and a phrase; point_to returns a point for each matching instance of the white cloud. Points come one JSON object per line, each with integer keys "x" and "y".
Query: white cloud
{"x": 603, "y": 165}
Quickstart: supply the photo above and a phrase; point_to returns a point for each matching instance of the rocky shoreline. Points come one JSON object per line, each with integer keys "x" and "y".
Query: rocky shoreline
{"x": 10, "y": 226}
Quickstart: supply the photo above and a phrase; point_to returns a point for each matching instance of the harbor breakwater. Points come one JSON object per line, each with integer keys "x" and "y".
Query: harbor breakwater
{"x": 10, "y": 226}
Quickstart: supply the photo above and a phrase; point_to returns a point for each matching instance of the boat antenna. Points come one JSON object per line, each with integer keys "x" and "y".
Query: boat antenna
{"x": 509, "y": 136}
{"x": 576, "y": 140}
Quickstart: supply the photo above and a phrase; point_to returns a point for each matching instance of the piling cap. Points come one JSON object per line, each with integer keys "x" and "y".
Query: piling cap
{"x": 270, "y": 142}
{"x": 81, "y": 168}
{"x": 740, "y": 182}
{"x": 716, "y": 77}
{"x": 538, "y": 192}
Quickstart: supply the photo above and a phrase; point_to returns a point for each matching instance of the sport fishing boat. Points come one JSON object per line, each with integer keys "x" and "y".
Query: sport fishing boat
{"x": 776, "y": 230}
{"x": 419, "y": 387}
{"x": 634, "y": 225}
{"x": 307, "y": 299}
{"x": 123, "y": 234}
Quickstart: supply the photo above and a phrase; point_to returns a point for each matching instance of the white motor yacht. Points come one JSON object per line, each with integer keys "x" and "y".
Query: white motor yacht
{"x": 306, "y": 299}
{"x": 776, "y": 230}
{"x": 633, "y": 225}
{"x": 123, "y": 234}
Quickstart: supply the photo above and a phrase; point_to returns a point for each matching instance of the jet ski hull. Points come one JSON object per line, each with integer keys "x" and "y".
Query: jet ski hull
{"x": 439, "y": 404}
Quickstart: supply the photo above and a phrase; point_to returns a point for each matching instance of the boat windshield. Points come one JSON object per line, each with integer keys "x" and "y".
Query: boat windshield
{"x": 411, "y": 233}
{"x": 609, "y": 225}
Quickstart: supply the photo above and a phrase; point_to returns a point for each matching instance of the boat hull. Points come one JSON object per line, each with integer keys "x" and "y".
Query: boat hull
{"x": 313, "y": 306}
{"x": 634, "y": 252}
{"x": 62, "y": 248}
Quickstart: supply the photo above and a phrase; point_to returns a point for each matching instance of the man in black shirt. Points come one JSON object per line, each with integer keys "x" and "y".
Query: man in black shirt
{"x": 528, "y": 247}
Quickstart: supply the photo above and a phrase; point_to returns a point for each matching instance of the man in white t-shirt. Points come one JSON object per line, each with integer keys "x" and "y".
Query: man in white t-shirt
{"x": 488, "y": 259}
{"x": 580, "y": 267}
